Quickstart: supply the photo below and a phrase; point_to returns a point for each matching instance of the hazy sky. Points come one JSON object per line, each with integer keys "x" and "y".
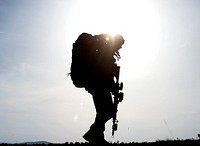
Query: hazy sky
{"x": 160, "y": 68}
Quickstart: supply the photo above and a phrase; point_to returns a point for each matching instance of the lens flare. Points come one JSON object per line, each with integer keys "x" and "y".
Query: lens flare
{"x": 107, "y": 38}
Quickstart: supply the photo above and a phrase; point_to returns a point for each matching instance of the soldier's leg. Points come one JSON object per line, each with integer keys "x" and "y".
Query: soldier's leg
{"x": 104, "y": 111}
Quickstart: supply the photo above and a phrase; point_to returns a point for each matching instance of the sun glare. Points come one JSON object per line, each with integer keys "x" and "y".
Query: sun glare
{"x": 135, "y": 20}
{"x": 107, "y": 38}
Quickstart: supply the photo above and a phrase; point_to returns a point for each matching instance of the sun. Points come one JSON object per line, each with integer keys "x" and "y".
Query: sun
{"x": 137, "y": 21}
{"x": 107, "y": 38}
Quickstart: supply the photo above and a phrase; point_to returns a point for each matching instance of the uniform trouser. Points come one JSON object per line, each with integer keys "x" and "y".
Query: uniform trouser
{"x": 104, "y": 111}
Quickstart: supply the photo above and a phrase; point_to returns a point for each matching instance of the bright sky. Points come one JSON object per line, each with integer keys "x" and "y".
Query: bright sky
{"x": 160, "y": 68}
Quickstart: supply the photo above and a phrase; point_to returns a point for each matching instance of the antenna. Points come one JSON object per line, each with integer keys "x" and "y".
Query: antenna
{"x": 170, "y": 132}
{"x": 128, "y": 134}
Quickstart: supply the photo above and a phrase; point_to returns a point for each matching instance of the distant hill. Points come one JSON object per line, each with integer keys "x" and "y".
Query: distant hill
{"x": 35, "y": 143}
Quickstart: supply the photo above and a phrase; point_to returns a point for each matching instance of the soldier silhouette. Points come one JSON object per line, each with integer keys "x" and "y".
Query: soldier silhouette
{"x": 94, "y": 68}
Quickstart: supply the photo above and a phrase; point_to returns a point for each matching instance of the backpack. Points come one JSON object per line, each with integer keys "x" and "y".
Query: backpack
{"x": 80, "y": 52}
{"x": 91, "y": 56}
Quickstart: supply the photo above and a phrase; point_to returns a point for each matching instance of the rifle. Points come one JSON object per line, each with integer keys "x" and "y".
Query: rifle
{"x": 118, "y": 97}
